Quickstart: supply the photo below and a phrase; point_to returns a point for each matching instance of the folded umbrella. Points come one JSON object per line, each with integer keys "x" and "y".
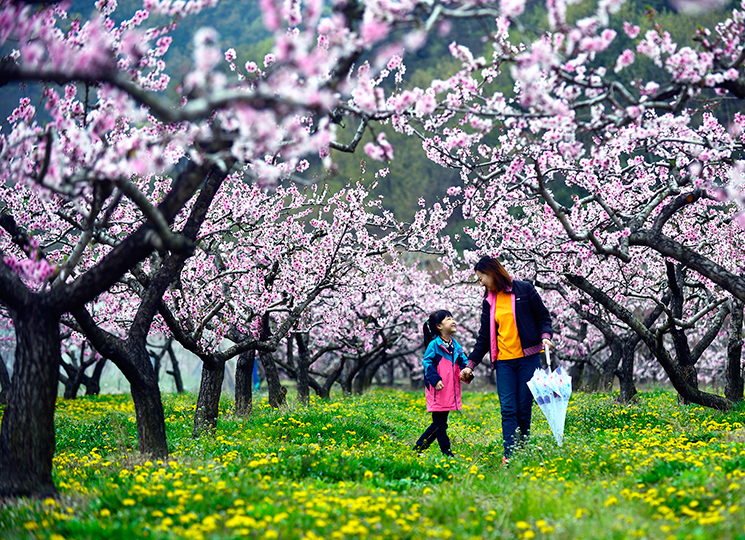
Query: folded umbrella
{"x": 551, "y": 390}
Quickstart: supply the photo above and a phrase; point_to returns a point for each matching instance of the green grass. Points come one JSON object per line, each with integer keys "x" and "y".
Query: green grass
{"x": 345, "y": 469}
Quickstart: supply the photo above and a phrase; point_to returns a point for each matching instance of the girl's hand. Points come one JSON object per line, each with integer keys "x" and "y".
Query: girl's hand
{"x": 466, "y": 374}
{"x": 439, "y": 385}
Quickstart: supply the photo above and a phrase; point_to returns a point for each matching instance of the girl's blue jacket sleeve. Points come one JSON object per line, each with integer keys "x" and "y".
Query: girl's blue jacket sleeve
{"x": 431, "y": 377}
{"x": 462, "y": 359}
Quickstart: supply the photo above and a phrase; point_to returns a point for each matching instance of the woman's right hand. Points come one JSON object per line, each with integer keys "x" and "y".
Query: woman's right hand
{"x": 466, "y": 374}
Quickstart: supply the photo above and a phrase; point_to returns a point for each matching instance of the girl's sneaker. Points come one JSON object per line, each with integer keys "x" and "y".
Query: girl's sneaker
{"x": 505, "y": 462}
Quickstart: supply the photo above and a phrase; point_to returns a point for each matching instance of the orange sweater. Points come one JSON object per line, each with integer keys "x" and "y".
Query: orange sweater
{"x": 508, "y": 340}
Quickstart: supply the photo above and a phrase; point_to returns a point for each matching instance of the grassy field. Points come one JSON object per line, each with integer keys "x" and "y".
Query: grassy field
{"x": 344, "y": 469}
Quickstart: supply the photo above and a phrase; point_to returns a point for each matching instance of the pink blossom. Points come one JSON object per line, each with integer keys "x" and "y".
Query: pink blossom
{"x": 625, "y": 59}
{"x": 631, "y": 31}
{"x": 373, "y": 30}
{"x": 426, "y": 104}
{"x": 394, "y": 62}
{"x": 512, "y": 8}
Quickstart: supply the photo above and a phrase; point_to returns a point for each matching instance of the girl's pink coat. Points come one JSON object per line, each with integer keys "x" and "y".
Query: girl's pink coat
{"x": 447, "y": 399}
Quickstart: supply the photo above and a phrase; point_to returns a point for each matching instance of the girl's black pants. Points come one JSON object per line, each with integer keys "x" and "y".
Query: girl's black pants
{"x": 436, "y": 430}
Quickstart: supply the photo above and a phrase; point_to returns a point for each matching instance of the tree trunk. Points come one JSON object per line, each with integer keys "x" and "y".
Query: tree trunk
{"x": 345, "y": 381}
{"x": 244, "y": 368}
{"x": 151, "y": 422}
{"x": 72, "y": 385}
{"x": 75, "y": 375}
{"x": 626, "y": 372}
{"x": 93, "y": 384}
{"x": 324, "y": 392}
{"x": 692, "y": 394}
{"x": 27, "y": 436}
{"x": 208, "y": 402}
{"x": 686, "y": 363}
{"x": 277, "y": 392}
{"x": 364, "y": 378}
{"x": 733, "y": 385}
{"x": 575, "y": 371}
{"x": 4, "y": 382}
{"x": 175, "y": 371}
{"x": 303, "y": 364}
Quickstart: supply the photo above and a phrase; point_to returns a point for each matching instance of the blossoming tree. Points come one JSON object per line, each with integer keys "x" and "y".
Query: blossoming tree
{"x": 644, "y": 153}
{"x": 655, "y": 170}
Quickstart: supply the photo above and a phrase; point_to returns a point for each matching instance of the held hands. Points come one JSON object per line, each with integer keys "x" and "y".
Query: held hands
{"x": 466, "y": 374}
{"x": 439, "y": 385}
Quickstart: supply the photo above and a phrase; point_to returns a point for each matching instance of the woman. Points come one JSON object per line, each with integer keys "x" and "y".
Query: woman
{"x": 515, "y": 328}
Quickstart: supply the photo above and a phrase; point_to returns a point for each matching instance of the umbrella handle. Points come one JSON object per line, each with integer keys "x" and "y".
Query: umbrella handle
{"x": 548, "y": 357}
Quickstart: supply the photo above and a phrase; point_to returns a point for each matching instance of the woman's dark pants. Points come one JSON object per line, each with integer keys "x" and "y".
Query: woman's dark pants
{"x": 437, "y": 430}
{"x": 515, "y": 398}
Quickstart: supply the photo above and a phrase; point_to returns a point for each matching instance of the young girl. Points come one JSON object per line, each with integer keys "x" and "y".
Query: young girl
{"x": 443, "y": 360}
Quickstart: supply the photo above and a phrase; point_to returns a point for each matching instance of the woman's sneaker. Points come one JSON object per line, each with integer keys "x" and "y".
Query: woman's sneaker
{"x": 505, "y": 462}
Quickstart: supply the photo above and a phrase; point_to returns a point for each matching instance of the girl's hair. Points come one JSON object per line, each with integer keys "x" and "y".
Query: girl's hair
{"x": 430, "y": 327}
{"x": 491, "y": 266}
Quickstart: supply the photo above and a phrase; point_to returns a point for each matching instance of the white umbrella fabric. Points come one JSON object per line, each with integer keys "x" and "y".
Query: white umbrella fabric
{"x": 551, "y": 390}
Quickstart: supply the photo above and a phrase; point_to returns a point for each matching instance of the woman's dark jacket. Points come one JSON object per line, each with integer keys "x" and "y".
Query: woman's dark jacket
{"x": 532, "y": 319}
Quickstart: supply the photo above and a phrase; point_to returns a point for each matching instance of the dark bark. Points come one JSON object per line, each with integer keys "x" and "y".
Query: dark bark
{"x": 685, "y": 361}
{"x": 363, "y": 381}
{"x": 75, "y": 371}
{"x": 27, "y": 436}
{"x": 93, "y": 384}
{"x": 694, "y": 395}
{"x": 4, "y": 382}
{"x": 244, "y": 368}
{"x": 132, "y": 249}
{"x": 151, "y": 426}
{"x": 208, "y": 401}
{"x": 325, "y": 390}
{"x": 175, "y": 369}
{"x": 733, "y": 385}
{"x": 627, "y": 388}
{"x": 576, "y": 371}
{"x": 303, "y": 365}
{"x": 277, "y": 393}
{"x": 592, "y": 381}
{"x": 346, "y": 385}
